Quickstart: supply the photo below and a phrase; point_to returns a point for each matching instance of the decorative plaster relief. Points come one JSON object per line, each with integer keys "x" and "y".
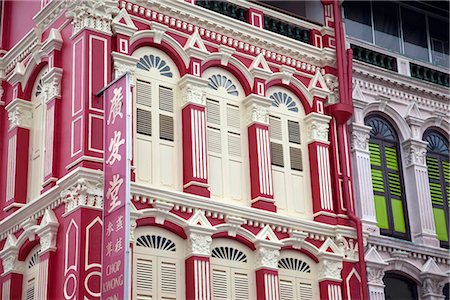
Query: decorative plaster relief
{"x": 20, "y": 114}
{"x": 194, "y": 95}
{"x": 360, "y": 137}
{"x": 432, "y": 286}
{"x": 415, "y": 152}
{"x": 258, "y": 114}
{"x": 199, "y": 244}
{"x": 330, "y": 270}
{"x": 375, "y": 276}
{"x": 83, "y": 193}
{"x": 267, "y": 257}
{"x": 317, "y": 126}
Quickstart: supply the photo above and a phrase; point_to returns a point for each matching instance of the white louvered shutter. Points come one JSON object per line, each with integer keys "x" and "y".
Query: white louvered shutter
{"x": 166, "y": 115}
{"x": 295, "y": 153}
{"x": 286, "y": 289}
{"x": 213, "y": 119}
{"x": 276, "y": 140}
{"x": 145, "y": 278}
{"x": 234, "y": 129}
{"x": 168, "y": 278}
{"x": 220, "y": 284}
{"x": 240, "y": 286}
{"x": 305, "y": 291}
{"x": 143, "y": 107}
{"x": 30, "y": 289}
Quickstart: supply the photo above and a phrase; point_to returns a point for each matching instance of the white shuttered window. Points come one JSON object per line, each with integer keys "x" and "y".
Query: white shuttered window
{"x": 30, "y": 278}
{"x": 226, "y": 140}
{"x": 158, "y": 265}
{"x": 232, "y": 271}
{"x": 156, "y": 158}
{"x": 289, "y": 153}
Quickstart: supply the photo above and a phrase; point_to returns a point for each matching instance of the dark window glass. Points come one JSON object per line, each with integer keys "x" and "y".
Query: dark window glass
{"x": 358, "y": 20}
{"x": 385, "y": 18}
{"x": 439, "y": 41}
{"x": 415, "y": 34}
{"x": 399, "y": 287}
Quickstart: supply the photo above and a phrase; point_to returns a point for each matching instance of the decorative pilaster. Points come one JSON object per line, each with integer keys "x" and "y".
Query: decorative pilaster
{"x": 261, "y": 181}
{"x": 12, "y": 276}
{"x": 47, "y": 233}
{"x": 330, "y": 279}
{"x": 319, "y": 160}
{"x": 198, "y": 278}
{"x": 91, "y": 48}
{"x": 433, "y": 281}
{"x": 20, "y": 119}
{"x": 267, "y": 256}
{"x": 52, "y": 89}
{"x": 195, "y": 158}
{"x": 418, "y": 194}
{"x": 83, "y": 238}
{"x": 375, "y": 265}
{"x": 363, "y": 178}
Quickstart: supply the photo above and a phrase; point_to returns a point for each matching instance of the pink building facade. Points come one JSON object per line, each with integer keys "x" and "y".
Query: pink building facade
{"x": 241, "y": 181}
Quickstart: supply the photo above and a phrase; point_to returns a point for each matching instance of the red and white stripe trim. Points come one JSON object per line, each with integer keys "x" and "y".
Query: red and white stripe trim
{"x": 201, "y": 277}
{"x": 264, "y": 162}
{"x": 198, "y": 144}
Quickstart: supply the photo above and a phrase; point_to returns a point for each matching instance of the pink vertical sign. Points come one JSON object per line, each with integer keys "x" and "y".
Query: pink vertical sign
{"x": 116, "y": 197}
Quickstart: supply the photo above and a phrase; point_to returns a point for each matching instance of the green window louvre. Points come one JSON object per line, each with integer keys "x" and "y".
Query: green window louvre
{"x": 446, "y": 167}
{"x": 377, "y": 181}
{"x": 436, "y": 193}
{"x": 375, "y": 154}
{"x": 433, "y": 168}
{"x": 394, "y": 184}
{"x": 440, "y": 223}
{"x": 391, "y": 158}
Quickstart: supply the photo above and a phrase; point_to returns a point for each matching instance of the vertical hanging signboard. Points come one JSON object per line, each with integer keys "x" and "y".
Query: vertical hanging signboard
{"x": 116, "y": 197}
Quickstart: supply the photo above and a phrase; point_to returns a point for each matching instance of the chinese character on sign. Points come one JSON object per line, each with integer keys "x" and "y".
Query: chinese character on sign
{"x": 109, "y": 248}
{"x": 118, "y": 246}
{"x": 116, "y": 106}
{"x": 119, "y": 223}
{"x": 113, "y": 192}
{"x": 109, "y": 229}
{"x": 114, "y": 145}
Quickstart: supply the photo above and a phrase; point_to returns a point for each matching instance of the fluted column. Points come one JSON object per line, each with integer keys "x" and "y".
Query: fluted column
{"x": 365, "y": 204}
{"x": 267, "y": 282}
{"x": 330, "y": 278}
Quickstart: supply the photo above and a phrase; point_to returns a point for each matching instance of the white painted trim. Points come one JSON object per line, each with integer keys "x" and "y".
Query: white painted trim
{"x": 67, "y": 268}
{"x": 72, "y": 144}
{"x": 86, "y": 158}
{"x": 91, "y": 136}
{"x": 105, "y": 71}
{"x": 74, "y": 63}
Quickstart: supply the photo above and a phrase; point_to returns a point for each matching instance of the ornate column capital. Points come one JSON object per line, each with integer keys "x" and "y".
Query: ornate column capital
{"x": 360, "y": 137}
{"x": 193, "y": 90}
{"x": 267, "y": 257}
{"x": 124, "y": 63}
{"x": 375, "y": 276}
{"x": 432, "y": 286}
{"x": 9, "y": 255}
{"x": 47, "y": 231}
{"x": 20, "y": 113}
{"x": 415, "y": 152}
{"x": 83, "y": 193}
{"x": 257, "y": 109}
{"x": 52, "y": 84}
{"x": 92, "y": 14}
{"x": 317, "y": 126}
{"x": 330, "y": 269}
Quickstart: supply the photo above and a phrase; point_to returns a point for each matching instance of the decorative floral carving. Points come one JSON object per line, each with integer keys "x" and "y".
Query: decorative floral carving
{"x": 432, "y": 286}
{"x": 258, "y": 114}
{"x": 318, "y": 131}
{"x": 9, "y": 263}
{"x": 267, "y": 257}
{"x": 52, "y": 88}
{"x": 360, "y": 140}
{"x": 84, "y": 192}
{"x": 194, "y": 95}
{"x": 330, "y": 270}
{"x": 200, "y": 244}
{"x": 20, "y": 116}
{"x": 375, "y": 276}
{"x": 415, "y": 154}
{"x": 348, "y": 247}
{"x": 93, "y": 14}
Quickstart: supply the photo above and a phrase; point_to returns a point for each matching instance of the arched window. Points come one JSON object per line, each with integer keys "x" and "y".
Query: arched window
{"x": 232, "y": 271}
{"x": 158, "y": 264}
{"x": 29, "y": 289}
{"x": 227, "y": 150}
{"x": 387, "y": 179}
{"x": 36, "y": 147}
{"x": 298, "y": 276}
{"x": 399, "y": 287}
{"x": 289, "y": 152}
{"x": 157, "y": 121}
{"x": 439, "y": 177}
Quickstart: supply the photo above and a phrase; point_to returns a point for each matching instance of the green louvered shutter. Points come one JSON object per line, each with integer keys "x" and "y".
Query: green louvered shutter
{"x": 438, "y": 182}
{"x": 387, "y": 182}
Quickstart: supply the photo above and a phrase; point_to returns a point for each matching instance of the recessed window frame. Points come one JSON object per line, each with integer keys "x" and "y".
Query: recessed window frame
{"x": 384, "y": 143}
